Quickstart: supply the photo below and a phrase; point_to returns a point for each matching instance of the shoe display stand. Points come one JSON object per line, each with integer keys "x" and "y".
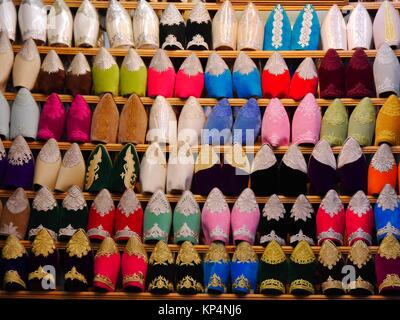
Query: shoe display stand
{"x": 239, "y": 5}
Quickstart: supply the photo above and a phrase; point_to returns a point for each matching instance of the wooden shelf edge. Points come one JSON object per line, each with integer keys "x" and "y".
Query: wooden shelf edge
{"x": 116, "y": 147}
{"x": 292, "y": 54}
{"x": 201, "y": 248}
{"x": 63, "y": 295}
{"x": 237, "y": 102}
{"x": 175, "y": 198}
{"x": 289, "y": 6}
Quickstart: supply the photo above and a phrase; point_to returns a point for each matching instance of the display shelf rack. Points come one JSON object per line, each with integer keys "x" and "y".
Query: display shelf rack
{"x": 175, "y": 198}
{"x": 116, "y": 147}
{"x": 119, "y": 295}
{"x": 292, "y": 54}
{"x": 291, "y": 5}
{"x": 236, "y": 102}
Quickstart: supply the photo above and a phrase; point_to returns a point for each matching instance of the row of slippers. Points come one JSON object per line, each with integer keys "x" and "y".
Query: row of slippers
{"x": 183, "y": 171}
{"x": 145, "y": 30}
{"x": 196, "y": 125}
{"x": 214, "y": 222}
{"x": 359, "y": 79}
{"x": 189, "y": 274}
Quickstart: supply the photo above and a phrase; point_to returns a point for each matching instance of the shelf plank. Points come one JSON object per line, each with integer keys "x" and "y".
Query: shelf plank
{"x": 290, "y": 5}
{"x": 293, "y": 54}
{"x": 141, "y": 148}
{"x": 175, "y": 198}
{"x": 119, "y": 295}
{"x": 200, "y": 248}
{"x": 237, "y": 102}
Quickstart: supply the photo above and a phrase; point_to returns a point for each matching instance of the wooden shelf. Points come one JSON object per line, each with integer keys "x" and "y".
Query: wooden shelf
{"x": 175, "y": 198}
{"x": 141, "y": 148}
{"x": 293, "y": 54}
{"x": 290, "y": 6}
{"x": 119, "y": 295}
{"x": 237, "y": 102}
{"x": 326, "y": 3}
{"x": 201, "y": 248}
